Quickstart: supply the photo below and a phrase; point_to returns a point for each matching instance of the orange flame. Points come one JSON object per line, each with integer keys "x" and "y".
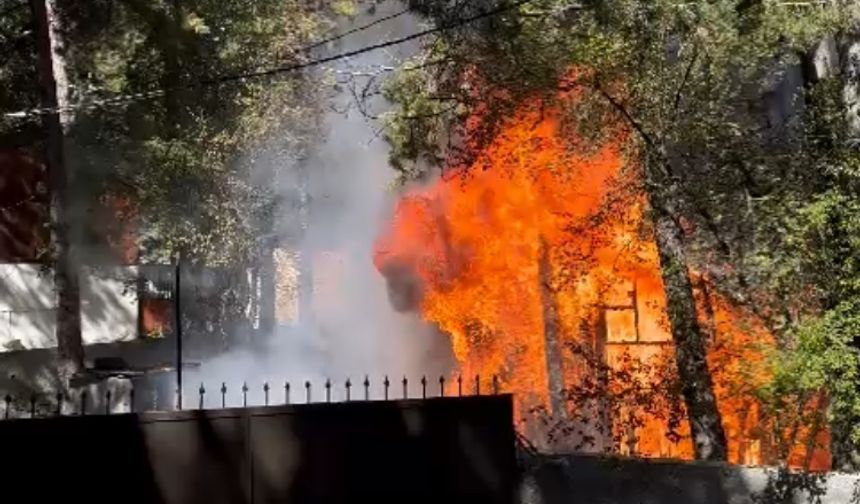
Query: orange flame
{"x": 536, "y": 239}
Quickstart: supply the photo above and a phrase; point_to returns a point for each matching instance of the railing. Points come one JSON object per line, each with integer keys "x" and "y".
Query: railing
{"x": 105, "y": 402}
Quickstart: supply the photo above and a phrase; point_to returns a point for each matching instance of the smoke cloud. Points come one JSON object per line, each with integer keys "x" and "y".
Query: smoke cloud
{"x": 349, "y": 329}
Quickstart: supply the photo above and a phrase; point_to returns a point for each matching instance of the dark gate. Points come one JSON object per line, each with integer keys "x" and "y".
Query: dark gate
{"x": 435, "y": 450}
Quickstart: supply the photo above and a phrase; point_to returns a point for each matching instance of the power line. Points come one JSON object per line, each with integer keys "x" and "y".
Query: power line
{"x": 357, "y": 29}
{"x": 224, "y": 79}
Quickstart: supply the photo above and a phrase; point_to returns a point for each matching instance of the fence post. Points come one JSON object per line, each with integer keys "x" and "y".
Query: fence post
{"x": 223, "y": 395}
{"x": 202, "y": 392}
{"x": 8, "y": 400}
{"x": 327, "y": 390}
{"x": 83, "y": 402}
{"x": 477, "y": 384}
{"x": 308, "y": 392}
{"x": 405, "y": 388}
{"x": 441, "y": 386}
{"x": 287, "y": 392}
{"x": 107, "y": 401}
{"x": 366, "y": 388}
{"x": 244, "y": 394}
{"x": 59, "y": 403}
{"x": 266, "y": 393}
{"x": 33, "y": 405}
{"x": 423, "y": 387}
{"x": 386, "y": 383}
{"x": 348, "y": 386}
{"x": 460, "y": 385}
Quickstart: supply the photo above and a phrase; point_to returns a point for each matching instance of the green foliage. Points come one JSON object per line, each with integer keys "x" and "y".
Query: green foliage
{"x": 187, "y": 158}
{"x": 824, "y": 356}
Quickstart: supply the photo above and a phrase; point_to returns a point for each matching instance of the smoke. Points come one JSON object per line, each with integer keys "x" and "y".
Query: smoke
{"x": 340, "y": 195}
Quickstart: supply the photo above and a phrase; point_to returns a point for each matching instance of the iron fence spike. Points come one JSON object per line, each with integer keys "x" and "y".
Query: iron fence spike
{"x": 33, "y": 405}
{"x": 386, "y": 383}
{"x": 223, "y": 395}
{"x": 327, "y": 390}
{"x": 423, "y": 387}
{"x": 308, "y": 391}
{"x": 8, "y": 401}
{"x": 477, "y": 384}
{"x": 495, "y": 385}
{"x": 266, "y": 393}
{"x": 460, "y": 385}
{"x": 202, "y": 392}
{"x": 59, "y": 397}
{"x": 107, "y": 401}
{"x": 245, "y": 394}
{"x": 366, "y": 388}
{"x": 286, "y": 392}
{"x": 441, "y": 386}
{"x": 348, "y": 386}
{"x": 405, "y": 388}
{"x": 83, "y": 402}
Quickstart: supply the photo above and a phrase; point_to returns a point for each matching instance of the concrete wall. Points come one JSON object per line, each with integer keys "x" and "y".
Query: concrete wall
{"x": 598, "y": 480}
{"x": 28, "y": 302}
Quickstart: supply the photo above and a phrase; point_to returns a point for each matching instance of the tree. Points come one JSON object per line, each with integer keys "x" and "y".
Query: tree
{"x": 687, "y": 86}
{"x": 55, "y": 92}
{"x": 192, "y": 157}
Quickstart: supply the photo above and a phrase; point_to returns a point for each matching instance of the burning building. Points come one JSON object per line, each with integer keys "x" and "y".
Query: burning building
{"x": 537, "y": 263}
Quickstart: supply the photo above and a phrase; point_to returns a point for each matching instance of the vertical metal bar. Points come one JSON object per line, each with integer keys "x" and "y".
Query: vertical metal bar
{"x": 405, "y": 388}
{"x": 423, "y": 387}
{"x": 386, "y": 383}
{"x": 308, "y": 392}
{"x": 8, "y": 400}
{"x": 348, "y": 385}
{"x": 107, "y": 401}
{"x": 83, "y": 402}
{"x": 178, "y": 332}
{"x": 33, "y": 405}
{"x": 286, "y": 392}
{"x": 266, "y": 393}
{"x": 495, "y": 384}
{"x": 131, "y": 398}
{"x": 244, "y": 394}
{"x": 59, "y": 404}
{"x": 223, "y": 395}
{"x": 366, "y": 388}
{"x": 460, "y": 385}
{"x": 441, "y": 386}
{"x": 202, "y": 392}
{"x": 477, "y": 384}
{"x": 327, "y": 390}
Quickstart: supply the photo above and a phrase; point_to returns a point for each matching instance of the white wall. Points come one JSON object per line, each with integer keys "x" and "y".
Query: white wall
{"x": 28, "y": 301}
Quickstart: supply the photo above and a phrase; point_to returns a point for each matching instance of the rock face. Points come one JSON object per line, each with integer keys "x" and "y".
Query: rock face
{"x": 596, "y": 480}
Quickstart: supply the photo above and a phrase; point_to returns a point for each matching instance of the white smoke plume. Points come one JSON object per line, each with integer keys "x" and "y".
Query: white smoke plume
{"x": 350, "y": 329}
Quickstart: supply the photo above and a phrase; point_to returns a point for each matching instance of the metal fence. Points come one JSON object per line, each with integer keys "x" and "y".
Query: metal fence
{"x": 122, "y": 396}
{"x": 438, "y": 449}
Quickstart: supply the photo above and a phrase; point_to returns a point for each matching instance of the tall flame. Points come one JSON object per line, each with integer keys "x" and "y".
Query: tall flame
{"x": 536, "y": 250}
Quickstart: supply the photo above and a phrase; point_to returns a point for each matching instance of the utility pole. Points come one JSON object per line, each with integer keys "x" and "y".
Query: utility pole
{"x": 54, "y": 90}
{"x": 177, "y": 309}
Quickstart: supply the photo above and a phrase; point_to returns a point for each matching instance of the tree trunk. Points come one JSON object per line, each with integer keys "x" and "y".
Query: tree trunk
{"x": 54, "y": 89}
{"x": 709, "y": 439}
{"x": 552, "y": 345}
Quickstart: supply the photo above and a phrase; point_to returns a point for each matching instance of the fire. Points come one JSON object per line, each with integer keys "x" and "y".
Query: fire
{"x": 537, "y": 251}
